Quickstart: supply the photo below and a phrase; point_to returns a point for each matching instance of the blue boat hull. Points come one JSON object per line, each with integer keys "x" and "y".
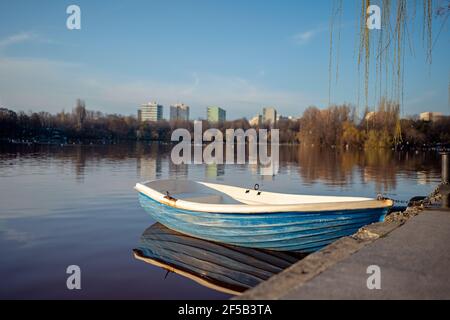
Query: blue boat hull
{"x": 289, "y": 231}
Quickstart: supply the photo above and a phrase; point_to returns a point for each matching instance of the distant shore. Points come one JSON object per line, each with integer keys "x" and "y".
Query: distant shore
{"x": 97, "y": 143}
{"x": 337, "y": 126}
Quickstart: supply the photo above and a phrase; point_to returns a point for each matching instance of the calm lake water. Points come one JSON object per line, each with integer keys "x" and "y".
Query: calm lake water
{"x": 75, "y": 205}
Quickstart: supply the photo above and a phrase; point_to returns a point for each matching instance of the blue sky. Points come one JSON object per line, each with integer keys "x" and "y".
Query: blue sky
{"x": 242, "y": 55}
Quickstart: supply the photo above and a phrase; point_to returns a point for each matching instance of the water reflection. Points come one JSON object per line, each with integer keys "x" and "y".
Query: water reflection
{"x": 53, "y": 198}
{"x": 179, "y": 171}
{"x": 345, "y": 167}
{"x": 214, "y": 170}
{"x": 222, "y": 267}
{"x": 331, "y": 167}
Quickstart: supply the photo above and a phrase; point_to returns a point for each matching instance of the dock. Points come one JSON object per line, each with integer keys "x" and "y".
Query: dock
{"x": 413, "y": 258}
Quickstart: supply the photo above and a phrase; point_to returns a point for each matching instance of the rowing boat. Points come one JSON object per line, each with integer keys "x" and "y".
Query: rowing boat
{"x": 255, "y": 218}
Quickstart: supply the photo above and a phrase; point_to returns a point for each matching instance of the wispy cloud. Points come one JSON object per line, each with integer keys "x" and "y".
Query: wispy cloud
{"x": 22, "y": 38}
{"x": 304, "y": 37}
{"x": 16, "y": 39}
{"x": 60, "y": 83}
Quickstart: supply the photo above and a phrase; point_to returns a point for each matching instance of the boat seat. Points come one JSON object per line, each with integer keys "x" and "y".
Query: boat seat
{"x": 214, "y": 198}
{"x": 210, "y": 198}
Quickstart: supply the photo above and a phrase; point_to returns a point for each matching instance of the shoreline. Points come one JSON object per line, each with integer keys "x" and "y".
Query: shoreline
{"x": 437, "y": 147}
{"x": 296, "y": 281}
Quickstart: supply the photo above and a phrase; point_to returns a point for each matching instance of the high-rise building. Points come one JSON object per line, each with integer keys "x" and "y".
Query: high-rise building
{"x": 216, "y": 114}
{"x": 431, "y": 116}
{"x": 370, "y": 115}
{"x": 150, "y": 112}
{"x": 269, "y": 116}
{"x": 255, "y": 121}
{"x": 286, "y": 118}
{"x": 179, "y": 111}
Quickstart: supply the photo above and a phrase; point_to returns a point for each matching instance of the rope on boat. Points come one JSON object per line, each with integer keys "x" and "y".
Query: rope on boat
{"x": 414, "y": 201}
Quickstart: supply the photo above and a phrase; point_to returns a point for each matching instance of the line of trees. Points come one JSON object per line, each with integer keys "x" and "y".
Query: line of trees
{"x": 339, "y": 126}
{"x": 336, "y": 126}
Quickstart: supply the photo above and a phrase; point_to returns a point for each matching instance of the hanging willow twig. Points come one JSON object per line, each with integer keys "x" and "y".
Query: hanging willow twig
{"x": 390, "y": 48}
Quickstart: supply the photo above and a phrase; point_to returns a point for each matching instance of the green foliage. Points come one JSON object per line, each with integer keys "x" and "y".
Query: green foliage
{"x": 352, "y": 136}
{"x": 378, "y": 139}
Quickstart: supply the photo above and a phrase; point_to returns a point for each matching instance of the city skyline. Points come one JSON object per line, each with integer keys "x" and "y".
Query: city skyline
{"x": 271, "y": 54}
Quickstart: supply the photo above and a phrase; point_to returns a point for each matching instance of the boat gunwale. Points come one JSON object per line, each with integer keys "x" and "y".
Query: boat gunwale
{"x": 260, "y": 208}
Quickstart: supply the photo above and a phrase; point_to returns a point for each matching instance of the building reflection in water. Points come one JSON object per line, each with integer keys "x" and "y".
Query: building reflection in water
{"x": 268, "y": 172}
{"x": 149, "y": 159}
{"x": 178, "y": 171}
{"x": 214, "y": 170}
{"x": 331, "y": 167}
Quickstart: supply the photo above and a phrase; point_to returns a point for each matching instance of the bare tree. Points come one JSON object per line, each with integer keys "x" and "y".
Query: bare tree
{"x": 80, "y": 113}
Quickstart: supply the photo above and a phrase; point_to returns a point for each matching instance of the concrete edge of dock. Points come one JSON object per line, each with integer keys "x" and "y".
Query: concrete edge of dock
{"x": 316, "y": 263}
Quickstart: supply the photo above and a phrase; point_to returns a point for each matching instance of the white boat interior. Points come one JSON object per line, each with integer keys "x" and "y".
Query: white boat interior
{"x": 211, "y": 197}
